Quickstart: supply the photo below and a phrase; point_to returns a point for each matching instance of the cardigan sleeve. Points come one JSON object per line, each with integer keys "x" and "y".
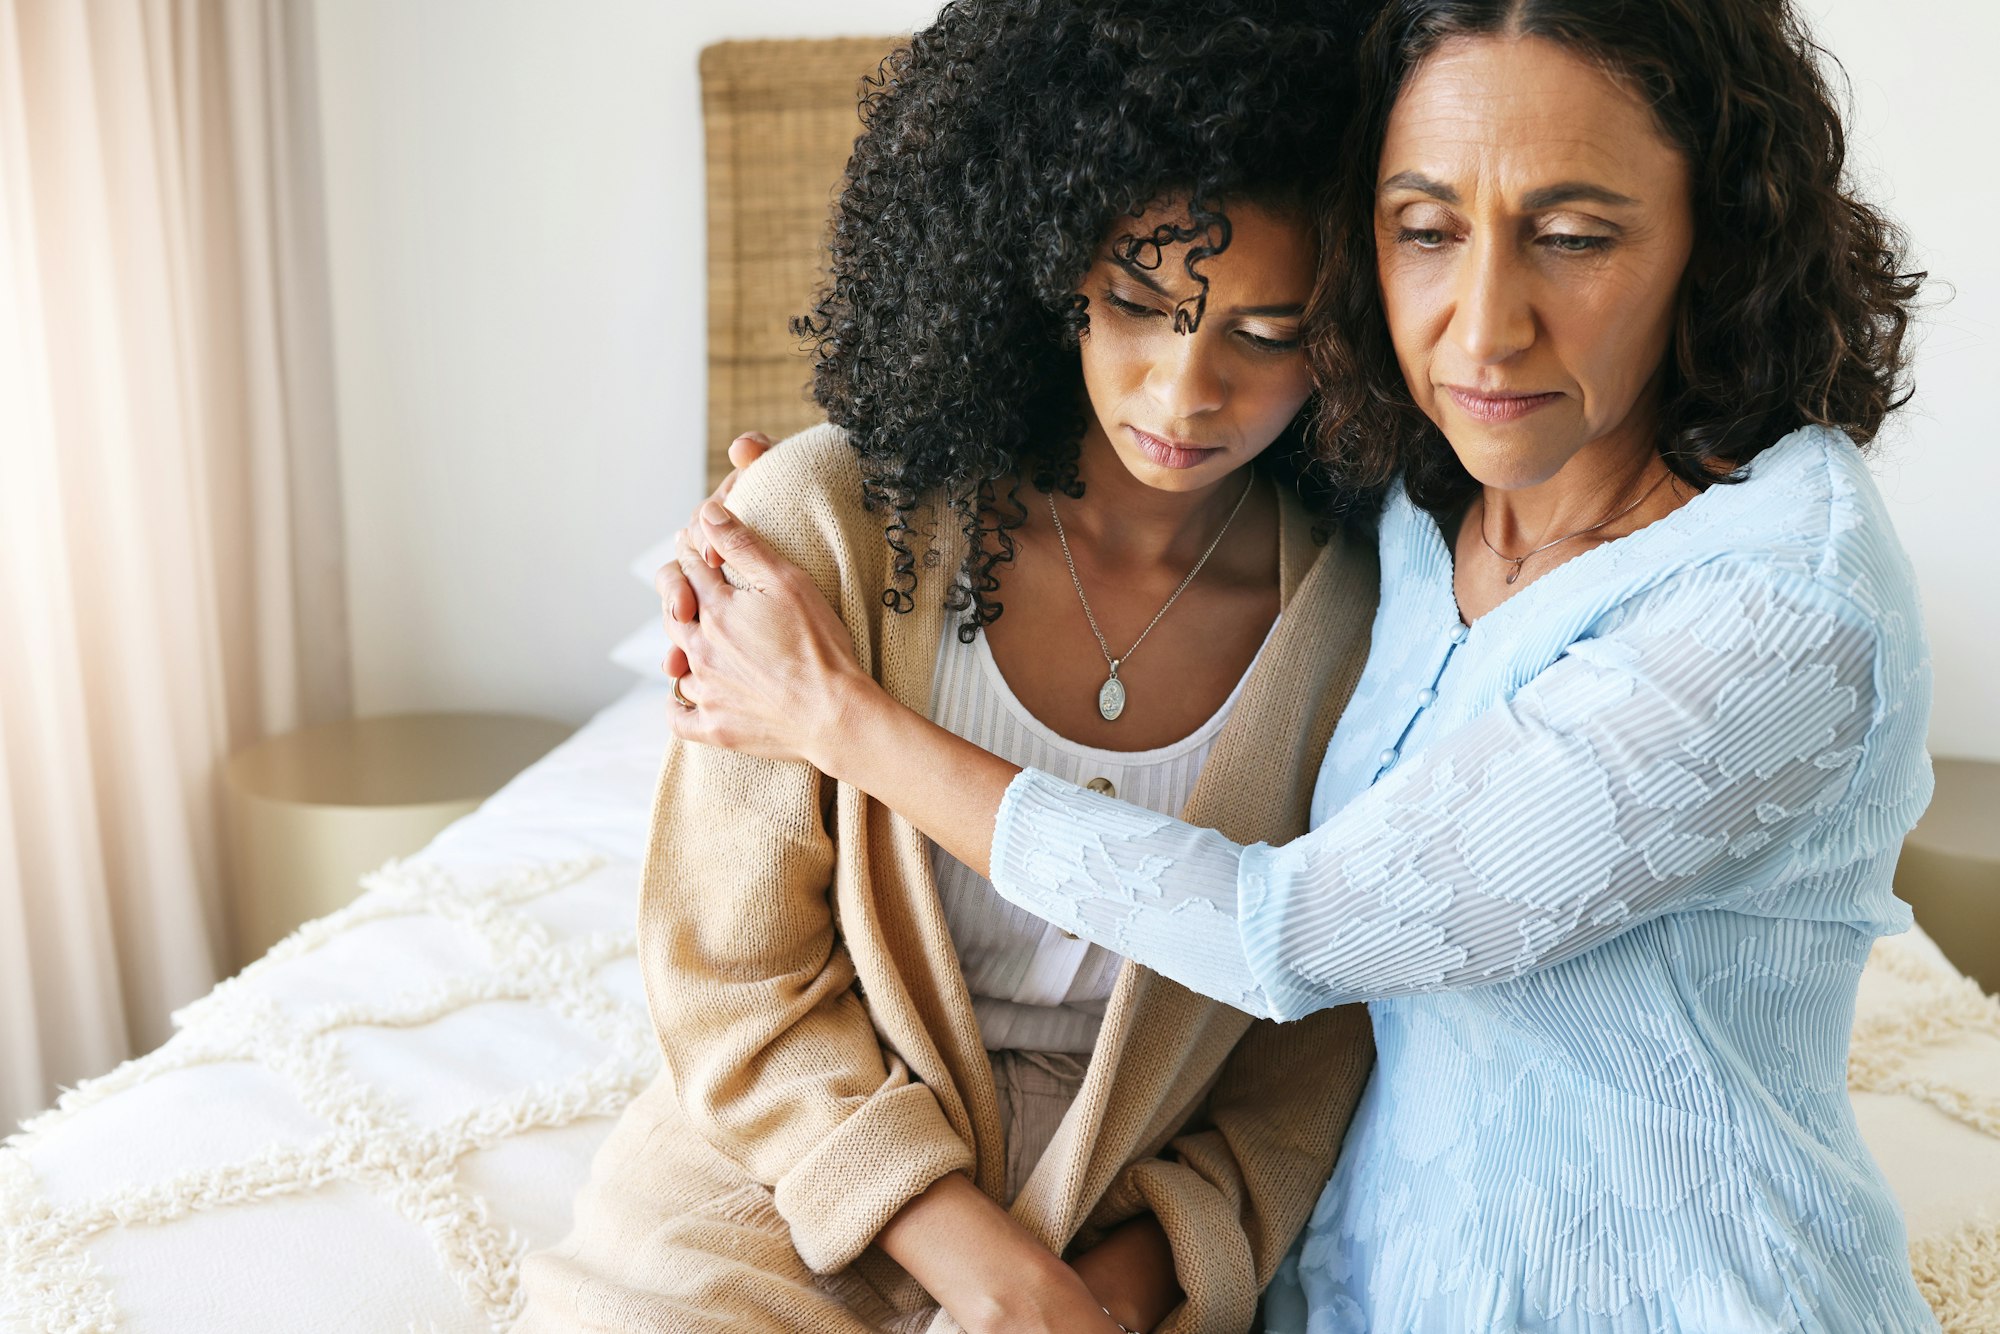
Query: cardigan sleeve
{"x": 772, "y": 1053}
{"x": 1675, "y": 761}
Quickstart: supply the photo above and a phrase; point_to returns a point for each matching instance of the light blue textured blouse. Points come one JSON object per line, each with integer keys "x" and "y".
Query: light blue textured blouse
{"x": 1606, "y": 866}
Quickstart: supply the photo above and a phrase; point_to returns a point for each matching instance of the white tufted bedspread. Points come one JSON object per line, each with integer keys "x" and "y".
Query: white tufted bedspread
{"x": 369, "y": 1127}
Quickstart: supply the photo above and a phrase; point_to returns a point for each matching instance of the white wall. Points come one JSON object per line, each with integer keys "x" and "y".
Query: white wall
{"x": 1922, "y": 145}
{"x": 516, "y": 207}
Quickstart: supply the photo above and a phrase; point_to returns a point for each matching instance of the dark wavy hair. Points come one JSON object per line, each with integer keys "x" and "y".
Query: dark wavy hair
{"x": 1000, "y": 149}
{"x": 1796, "y": 301}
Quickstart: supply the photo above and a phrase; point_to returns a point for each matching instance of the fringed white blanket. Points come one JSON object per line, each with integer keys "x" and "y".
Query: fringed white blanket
{"x": 369, "y": 1128}
{"x": 1924, "y": 1073}
{"x": 386, "y": 1122}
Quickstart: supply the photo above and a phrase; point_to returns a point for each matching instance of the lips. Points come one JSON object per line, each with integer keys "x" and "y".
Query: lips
{"x": 1498, "y": 407}
{"x": 1170, "y": 453}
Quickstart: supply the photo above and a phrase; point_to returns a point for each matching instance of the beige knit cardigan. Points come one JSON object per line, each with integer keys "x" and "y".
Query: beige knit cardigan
{"x": 817, "y": 1029}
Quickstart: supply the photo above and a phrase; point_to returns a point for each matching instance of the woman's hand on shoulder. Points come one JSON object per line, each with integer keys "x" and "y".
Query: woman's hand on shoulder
{"x": 770, "y": 668}
{"x": 677, "y": 597}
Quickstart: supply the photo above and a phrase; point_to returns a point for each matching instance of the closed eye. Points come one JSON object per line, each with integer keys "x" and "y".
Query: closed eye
{"x": 1132, "y": 308}
{"x": 1570, "y": 243}
{"x": 1423, "y": 238}
{"x": 1265, "y": 343}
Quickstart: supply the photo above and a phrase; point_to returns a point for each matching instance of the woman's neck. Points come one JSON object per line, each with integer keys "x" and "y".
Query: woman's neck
{"x": 1128, "y": 524}
{"x": 1509, "y": 537}
{"x": 1594, "y": 486}
{"x": 1115, "y": 575}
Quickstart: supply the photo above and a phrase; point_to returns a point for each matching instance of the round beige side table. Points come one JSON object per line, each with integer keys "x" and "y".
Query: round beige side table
{"x": 1949, "y": 873}
{"x": 312, "y": 811}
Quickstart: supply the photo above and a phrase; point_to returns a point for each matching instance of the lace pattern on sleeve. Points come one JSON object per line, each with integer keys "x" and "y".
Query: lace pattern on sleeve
{"x": 1671, "y": 762}
{"x": 1147, "y": 886}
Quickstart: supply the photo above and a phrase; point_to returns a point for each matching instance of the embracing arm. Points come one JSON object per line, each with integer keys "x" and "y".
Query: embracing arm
{"x": 768, "y": 667}
{"x": 1669, "y": 763}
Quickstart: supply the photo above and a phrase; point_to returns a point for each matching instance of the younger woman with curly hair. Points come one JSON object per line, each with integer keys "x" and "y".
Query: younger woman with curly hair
{"x": 1065, "y": 509}
{"x": 1608, "y": 830}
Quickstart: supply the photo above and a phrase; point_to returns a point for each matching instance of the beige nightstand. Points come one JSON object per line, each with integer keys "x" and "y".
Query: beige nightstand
{"x": 1949, "y": 873}
{"x": 312, "y": 811}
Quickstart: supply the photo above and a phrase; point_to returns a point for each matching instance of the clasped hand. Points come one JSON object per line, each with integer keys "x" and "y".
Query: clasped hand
{"x": 762, "y": 665}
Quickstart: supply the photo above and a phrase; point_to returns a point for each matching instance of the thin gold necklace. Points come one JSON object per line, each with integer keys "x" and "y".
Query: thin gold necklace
{"x": 1111, "y": 695}
{"x": 1518, "y": 561}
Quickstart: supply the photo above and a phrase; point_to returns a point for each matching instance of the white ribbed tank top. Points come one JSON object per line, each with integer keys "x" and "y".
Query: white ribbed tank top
{"x": 1034, "y": 988}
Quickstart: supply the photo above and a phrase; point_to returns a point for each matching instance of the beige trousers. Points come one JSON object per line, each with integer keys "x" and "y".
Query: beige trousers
{"x": 1036, "y": 1091}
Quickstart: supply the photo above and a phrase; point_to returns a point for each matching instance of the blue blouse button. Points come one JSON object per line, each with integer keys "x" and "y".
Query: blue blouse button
{"x": 1426, "y": 697}
{"x": 1387, "y": 757}
{"x": 1458, "y": 634}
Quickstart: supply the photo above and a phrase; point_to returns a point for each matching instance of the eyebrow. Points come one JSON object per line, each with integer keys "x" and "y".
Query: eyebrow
{"x": 1142, "y": 277}
{"x": 1422, "y": 184}
{"x": 1568, "y": 192}
{"x": 1290, "y": 311}
{"x": 1563, "y": 192}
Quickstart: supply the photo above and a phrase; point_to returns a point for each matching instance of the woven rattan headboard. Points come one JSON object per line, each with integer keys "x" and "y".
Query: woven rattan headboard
{"x": 780, "y": 120}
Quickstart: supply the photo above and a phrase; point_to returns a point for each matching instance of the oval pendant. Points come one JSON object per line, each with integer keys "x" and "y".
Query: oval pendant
{"x": 1111, "y": 699}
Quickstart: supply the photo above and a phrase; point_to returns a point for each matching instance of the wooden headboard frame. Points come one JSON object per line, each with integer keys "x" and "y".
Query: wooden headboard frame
{"x": 780, "y": 120}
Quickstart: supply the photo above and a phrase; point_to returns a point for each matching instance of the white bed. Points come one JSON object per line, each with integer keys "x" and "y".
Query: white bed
{"x": 369, "y": 1128}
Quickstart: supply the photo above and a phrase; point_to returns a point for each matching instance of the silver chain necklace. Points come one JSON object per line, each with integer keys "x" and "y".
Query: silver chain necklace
{"x": 1111, "y": 695}
{"x": 1518, "y": 561}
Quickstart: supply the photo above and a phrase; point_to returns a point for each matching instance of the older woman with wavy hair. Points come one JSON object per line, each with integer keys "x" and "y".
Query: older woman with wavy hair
{"x": 1608, "y": 828}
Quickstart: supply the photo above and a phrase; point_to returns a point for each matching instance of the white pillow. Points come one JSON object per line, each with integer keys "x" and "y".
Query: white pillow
{"x": 642, "y": 650}
{"x": 647, "y": 563}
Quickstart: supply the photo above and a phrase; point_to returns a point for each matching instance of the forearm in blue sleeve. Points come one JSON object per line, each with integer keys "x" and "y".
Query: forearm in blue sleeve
{"x": 1670, "y": 764}
{"x": 1146, "y": 886}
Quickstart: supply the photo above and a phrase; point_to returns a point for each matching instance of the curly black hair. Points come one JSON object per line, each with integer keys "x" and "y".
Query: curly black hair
{"x": 1000, "y": 149}
{"x": 1796, "y": 302}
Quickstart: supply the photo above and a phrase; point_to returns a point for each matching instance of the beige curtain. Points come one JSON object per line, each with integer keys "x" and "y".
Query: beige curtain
{"x": 170, "y": 556}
